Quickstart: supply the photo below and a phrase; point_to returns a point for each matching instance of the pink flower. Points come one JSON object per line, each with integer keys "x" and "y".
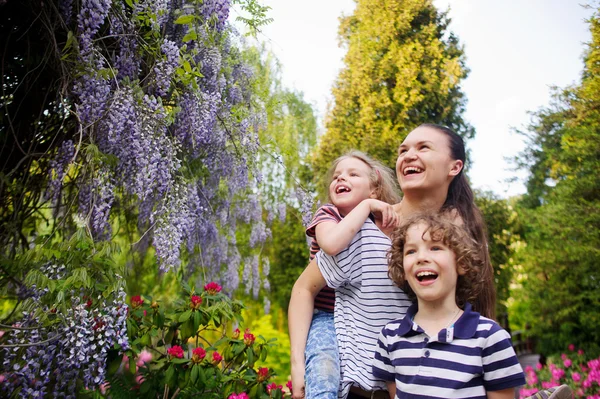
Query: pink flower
{"x": 216, "y": 358}
{"x": 175, "y": 351}
{"x": 568, "y": 363}
{"x": 547, "y": 384}
{"x": 576, "y": 377}
{"x": 563, "y": 356}
{"x": 528, "y": 369}
{"x": 571, "y": 347}
{"x": 212, "y": 288}
{"x": 136, "y": 301}
{"x": 144, "y": 358}
{"x": 272, "y": 386}
{"x": 198, "y": 354}
{"x": 557, "y": 374}
{"x": 104, "y": 387}
{"x": 241, "y": 395}
{"x": 236, "y": 333}
{"x": 580, "y": 352}
{"x": 248, "y": 338}
{"x": 263, "y": 374}
{"x": 289, "y": 385}
{"x": 539, "y": 366}
{"x": 139, "y": 379}
{"x": 195, "y": 301}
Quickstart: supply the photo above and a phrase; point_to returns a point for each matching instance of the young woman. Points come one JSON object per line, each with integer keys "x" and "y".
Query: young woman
{"x": 430, "y": 172}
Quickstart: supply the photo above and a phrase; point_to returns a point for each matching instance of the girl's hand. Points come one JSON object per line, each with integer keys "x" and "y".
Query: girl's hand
{"x": 384, "y": 212}
{"x": 298, "y": 382}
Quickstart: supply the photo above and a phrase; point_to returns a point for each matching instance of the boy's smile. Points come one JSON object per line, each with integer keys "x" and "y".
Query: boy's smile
{"x": 430, "y": 266}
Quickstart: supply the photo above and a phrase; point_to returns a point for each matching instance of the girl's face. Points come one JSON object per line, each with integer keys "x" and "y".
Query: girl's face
{"x": 429, "y": 266}
{"x": 350, "y": 184}
{"x": 424, "y": 160}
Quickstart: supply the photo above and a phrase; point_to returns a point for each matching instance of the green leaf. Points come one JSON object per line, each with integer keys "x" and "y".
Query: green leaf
{"x": 129, "y": 3}
{"x": 132, "y": 365}
{"x": 194, "y": 375}
{"x": 250, "y": 356}
{"x": 185, "y": 316}
{"x": 171, "y": 378}
{"x": 187, "y": 66}
{"x": 185, "y": 19}
{"x": 190, "y": 35}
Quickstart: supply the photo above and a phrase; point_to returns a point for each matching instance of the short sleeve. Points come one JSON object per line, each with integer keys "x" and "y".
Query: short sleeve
{"x": 326, "y": 213}
{"x": 501, "y": 368}
{"x": 382, "y": 364}
{"x": 333, "y": 275}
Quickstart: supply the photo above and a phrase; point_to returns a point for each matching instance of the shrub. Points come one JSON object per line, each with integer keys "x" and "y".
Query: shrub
{"x": 574, "y": 369}
{"x": 172, "y": 353}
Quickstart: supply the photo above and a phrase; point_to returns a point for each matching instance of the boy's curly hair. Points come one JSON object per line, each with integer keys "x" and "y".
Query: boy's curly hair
{"x": 441, "y": 229}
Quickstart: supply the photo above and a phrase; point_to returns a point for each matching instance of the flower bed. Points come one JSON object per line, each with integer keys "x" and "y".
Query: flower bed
{"x": 572, "y": 368}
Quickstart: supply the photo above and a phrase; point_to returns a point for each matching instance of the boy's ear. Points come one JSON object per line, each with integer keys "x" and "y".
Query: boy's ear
{"x": 456, "y": 167}
{"x": 460, "y": 269}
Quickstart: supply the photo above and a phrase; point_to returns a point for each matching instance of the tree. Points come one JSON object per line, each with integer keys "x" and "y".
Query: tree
{"x": 559, "y": 293}
{"x": 403, "y": 68}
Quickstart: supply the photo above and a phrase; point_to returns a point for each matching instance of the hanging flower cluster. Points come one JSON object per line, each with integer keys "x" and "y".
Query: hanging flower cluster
{"x": 168, "y": 123}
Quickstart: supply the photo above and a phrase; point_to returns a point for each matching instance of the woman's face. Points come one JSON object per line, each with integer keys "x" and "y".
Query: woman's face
{"x": 424, "y": 160}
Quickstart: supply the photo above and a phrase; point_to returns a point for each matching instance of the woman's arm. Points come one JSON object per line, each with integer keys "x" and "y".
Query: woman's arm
{"x": 508, "y": 393}
{"x": 334, "y": 237}
{"x": 300, "y": 313}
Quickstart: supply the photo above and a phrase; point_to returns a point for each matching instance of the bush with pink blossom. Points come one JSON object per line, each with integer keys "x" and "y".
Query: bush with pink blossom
{"x": 573, "y": 368}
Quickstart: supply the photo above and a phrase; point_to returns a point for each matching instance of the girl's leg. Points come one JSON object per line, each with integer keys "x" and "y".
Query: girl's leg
{"x": 322, "y": 375}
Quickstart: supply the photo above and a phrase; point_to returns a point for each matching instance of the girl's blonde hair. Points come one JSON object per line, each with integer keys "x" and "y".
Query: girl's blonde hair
{"x": 471, "y": 282}
{"x": 381, "y": 177}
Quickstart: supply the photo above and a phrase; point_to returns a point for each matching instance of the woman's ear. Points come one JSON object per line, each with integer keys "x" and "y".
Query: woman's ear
{"x": 456, "y": 167}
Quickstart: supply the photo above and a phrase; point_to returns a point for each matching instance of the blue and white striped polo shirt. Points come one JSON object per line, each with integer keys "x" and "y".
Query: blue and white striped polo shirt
{"x": 365, "y": 301}
{"x": 467, "y": 359}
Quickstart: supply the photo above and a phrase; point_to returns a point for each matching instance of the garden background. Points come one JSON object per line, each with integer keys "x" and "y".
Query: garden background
{"x": 156, "y": 175}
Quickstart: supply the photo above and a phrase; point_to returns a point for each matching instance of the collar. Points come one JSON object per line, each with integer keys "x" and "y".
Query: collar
{"x": 465, "y": 327}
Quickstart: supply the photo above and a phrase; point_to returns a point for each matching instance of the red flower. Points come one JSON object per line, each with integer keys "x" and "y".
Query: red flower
{"x": 236, "y": 333}
{"x": 263, "y": 374}
{"x": 175, "y": 351}
{"x": 272, "y": 386}
{"x": 289, "y": 385}
{"x": 212, "y": 288}
{"x": 216, "y": 358}
{"x": 198, "y": 354}
{"x": 241, "y": 395}
{"x": 571, "y": 347}
{"x": 195, "y": 302}
{"x": 248, "y": 338}
{"x": 136, "y": 301}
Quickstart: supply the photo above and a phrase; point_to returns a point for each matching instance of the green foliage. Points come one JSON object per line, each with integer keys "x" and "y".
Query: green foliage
{"x": 279, "y": 354}
{"x": 403, "y": 68}
{"x": 500, "y": 221}
{"x": 558, "y": 288}
{"x": 289, "y": 256}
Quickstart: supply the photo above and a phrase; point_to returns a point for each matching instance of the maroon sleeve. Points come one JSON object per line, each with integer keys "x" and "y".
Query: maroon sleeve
{"x": 327, "y": 212}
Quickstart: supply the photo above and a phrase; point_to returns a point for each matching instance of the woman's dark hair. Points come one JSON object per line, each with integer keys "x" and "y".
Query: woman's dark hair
{"x": 460, "y": 198}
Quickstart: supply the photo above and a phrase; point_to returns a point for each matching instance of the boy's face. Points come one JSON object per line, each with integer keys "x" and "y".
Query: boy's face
{"x": 430, "y": 266}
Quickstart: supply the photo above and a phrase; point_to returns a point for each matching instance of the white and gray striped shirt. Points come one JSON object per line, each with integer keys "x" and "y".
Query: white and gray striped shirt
{"x": 365, "y": 301}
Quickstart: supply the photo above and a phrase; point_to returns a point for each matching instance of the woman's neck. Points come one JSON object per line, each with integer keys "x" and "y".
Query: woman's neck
{"x": 420, "y": 202}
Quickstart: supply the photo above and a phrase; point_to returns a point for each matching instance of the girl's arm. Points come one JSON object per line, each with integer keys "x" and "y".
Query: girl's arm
{"x": 508, "y": 393}
{"x": 300, "y": 313}
{"x": 334, "y": 237}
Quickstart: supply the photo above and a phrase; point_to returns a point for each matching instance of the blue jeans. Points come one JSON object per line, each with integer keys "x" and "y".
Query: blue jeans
{"x": 322, "y": 373}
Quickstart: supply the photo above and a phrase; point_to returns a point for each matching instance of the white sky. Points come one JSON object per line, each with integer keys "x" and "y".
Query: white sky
{"x": 516, "y": 50}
